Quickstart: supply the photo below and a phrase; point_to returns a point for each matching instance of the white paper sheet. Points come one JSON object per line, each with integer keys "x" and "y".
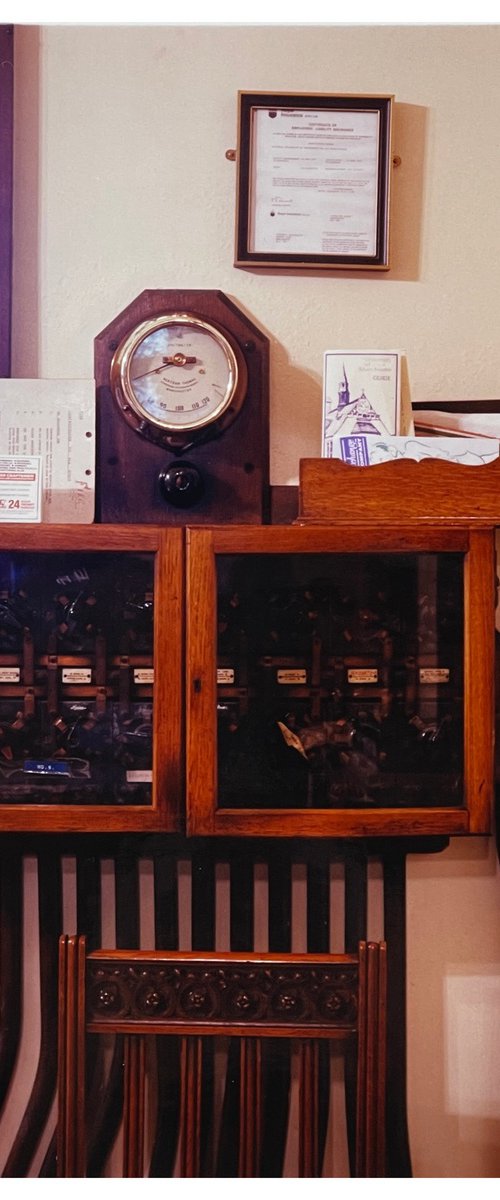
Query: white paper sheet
{"x": 54, "y": 418}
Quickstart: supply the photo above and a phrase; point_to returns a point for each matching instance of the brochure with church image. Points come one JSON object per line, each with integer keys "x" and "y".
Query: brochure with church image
{"x": 362, "y": 395}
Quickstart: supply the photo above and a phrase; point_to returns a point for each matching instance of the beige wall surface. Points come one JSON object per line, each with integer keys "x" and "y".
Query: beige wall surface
{"x": 122, "y": 184}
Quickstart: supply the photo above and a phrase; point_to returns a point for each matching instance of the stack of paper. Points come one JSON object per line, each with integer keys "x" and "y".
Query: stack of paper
{"x": 55, "y": 420}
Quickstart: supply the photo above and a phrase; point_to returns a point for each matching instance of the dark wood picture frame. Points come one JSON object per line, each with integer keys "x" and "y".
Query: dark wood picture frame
{"x": 248, "y": 103}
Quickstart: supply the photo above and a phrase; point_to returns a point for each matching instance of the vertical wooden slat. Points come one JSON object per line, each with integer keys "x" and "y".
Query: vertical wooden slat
{"x": 203, "y": 897}
{"x": 11, "y": 921}
{"x": 276, "y": 1052}
{"x": 355, "y": 917}
{"x": 166, "y": 909}
{"x": 190, "y": 1106}
{"x": 71, "y": 1069}
{"x": 370, "y": 1141}
{"x": 398, "y": 1144}
{"x": 280, "y": 898}
{"x": 88, "y": 919}
{"x": 127, "y": 895}
{"x": 166, "y": 1116}
{"x": 62, "y": 1069}
{"x": 318, "y": 901}
{"x": 241, "y": 915}
{"x": 203, "y": 938}
{"x": 370, "y": 1091}
{"x": 380, "y": 1159}
{"x": 166, "y": 1049}
{"x": 42, "y": 1094}
{"x": 80, "y": 1057}
{"x": 318, "y": 942}
{"x": 309, "y": 1110}
{"x": 88, "y": 908}
{"x": 250, "y": 1108}
{"x": 133, "y": 1107}
{"x": 356, "y": 898}
{"x": 88, "y": 898}
{"x": 360, "y": 1138}
{"x": 241, "y": 918}
{"x": 106, "y": 1114}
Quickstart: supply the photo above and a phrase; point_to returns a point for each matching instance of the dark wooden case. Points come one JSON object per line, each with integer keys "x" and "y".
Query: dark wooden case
{"x": 234, "y": 466}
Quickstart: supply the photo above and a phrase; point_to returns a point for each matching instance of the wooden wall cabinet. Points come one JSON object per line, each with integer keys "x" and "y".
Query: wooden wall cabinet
{"x": 314, "y": 680}
{"x": 340, "y": 680}
{"x": 90, "y": 728}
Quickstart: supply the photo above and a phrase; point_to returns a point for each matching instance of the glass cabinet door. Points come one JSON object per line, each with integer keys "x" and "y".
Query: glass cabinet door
{"x": 81, "y": 620}
{"x": 340, "y": 691}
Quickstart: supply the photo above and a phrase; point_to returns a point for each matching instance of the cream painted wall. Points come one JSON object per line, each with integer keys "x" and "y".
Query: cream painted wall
{"x": 122, "y": 184}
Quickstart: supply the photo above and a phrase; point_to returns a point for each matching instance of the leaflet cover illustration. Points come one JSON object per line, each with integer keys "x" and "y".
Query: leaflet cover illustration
{"x": 361, "y": 395}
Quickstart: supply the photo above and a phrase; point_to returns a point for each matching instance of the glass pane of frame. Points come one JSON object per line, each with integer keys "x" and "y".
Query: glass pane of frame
{"x": 76, "y": 678}
{"x": 340, "y": 680}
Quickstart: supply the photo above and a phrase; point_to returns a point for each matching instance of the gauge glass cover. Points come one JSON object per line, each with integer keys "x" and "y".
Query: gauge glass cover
{"x": 177, "y": 372}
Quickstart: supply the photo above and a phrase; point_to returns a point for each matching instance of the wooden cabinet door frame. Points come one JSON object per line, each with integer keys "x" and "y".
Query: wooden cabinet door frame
{"x": 165, "y": 811}
{"x": 203, "y": 815}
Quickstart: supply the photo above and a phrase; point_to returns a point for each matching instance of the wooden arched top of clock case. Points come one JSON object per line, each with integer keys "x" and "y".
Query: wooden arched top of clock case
{"x": 399, "y": 493}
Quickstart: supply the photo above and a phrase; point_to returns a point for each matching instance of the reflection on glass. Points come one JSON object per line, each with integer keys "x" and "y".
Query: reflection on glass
{"x": 340, "y": 680}
{"x": 76, "y": 678}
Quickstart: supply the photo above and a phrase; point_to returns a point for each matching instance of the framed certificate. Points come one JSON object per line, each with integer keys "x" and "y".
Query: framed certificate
{"x": 313, "y": 181}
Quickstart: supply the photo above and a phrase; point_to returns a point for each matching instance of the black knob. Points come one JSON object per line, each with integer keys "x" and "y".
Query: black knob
{"x": 181, "y": 484}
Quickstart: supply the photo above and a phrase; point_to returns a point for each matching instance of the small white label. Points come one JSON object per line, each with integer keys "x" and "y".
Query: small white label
{"x": 77, "y": 675}
{"x": 21, "y": 488}
{"x": 46, "y": 767}
{"x": 362, "y": 675}
{"x": 294, "y": 675}
{"x": 225, "y": 675}
{"x": 139, "y": 776}
{"x": 10, "y": 674}
{"x": 144, "y": 675}
{"x": 434, "y": 675}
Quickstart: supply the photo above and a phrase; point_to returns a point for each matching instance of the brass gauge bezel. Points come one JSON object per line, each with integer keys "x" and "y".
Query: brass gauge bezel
{"x": 146, "y": 423}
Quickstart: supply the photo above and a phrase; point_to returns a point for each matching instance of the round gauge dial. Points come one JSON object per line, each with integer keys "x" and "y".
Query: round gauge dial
{"x": 179, "y": 373}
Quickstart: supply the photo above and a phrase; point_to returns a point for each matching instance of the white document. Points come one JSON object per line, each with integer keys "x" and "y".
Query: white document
{"x": 466, "y": 424}
{"x": 54, "y": 419}
{"x": 21, "y": 488}
{"x": 314, "y": 181}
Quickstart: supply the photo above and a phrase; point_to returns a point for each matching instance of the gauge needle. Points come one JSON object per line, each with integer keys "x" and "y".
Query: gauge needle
{"x": 176, "y": 360}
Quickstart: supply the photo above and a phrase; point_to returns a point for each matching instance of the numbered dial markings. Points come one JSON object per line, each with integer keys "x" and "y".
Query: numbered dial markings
{"x": 177, "y": 372}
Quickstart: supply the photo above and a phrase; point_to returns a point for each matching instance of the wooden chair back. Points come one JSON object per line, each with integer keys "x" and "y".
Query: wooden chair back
{"x": 196, "y": 997}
